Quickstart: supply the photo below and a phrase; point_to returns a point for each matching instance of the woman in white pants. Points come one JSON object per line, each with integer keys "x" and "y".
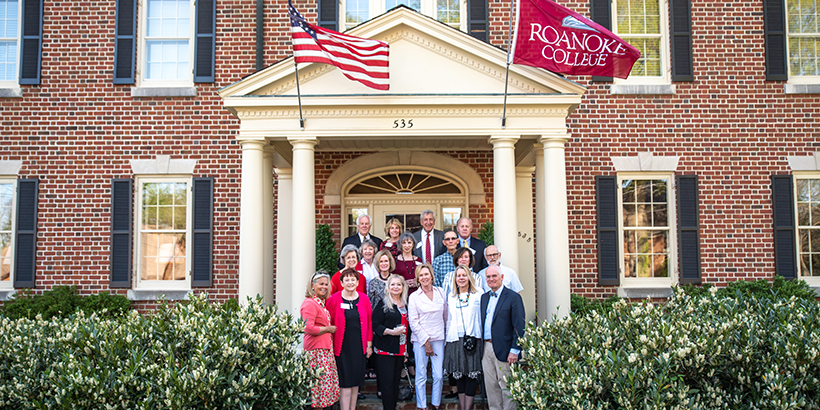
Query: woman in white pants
{"x": 427, "y": 315}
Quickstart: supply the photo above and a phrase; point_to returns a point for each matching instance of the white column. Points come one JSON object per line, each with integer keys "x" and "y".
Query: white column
{"x": 505, "y": 223}
{"x": 251, "y": 215}
{"x": 284, "y": 226}
{"x": 540, "y": 235}
{"x": 267, "y": 226}
{"x": 303, "y": 245}
{"x": 556, "y": 224}
{"x": 526, "y": 244}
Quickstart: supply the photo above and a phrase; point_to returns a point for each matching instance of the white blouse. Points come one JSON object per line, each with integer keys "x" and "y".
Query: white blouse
{"x": 463, "y": 311}
{"x": 427, "y": 316}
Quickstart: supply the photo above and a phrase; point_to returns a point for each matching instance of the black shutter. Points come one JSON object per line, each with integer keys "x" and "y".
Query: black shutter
{"x": 32, "y": 49}
{"x": 477, "y": 21}
{"x": 25, "y": 237}
{"x": 606, "y": 199}
{"x": 205, "y": 41}
{"x": 785, "y": 249}
{"x": 600, "y": 12}
{"x": 203, "y": 232}
{"x": 125, "y": 41}
{"x": 774, "y": 34}
{"x": 688, "y": 229}
{"x": 121, "y": 226}
{"x": 328, "y": 14}
{"x": 681, "y": 22}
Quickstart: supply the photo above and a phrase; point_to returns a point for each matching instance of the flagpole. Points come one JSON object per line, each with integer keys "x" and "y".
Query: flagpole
{"x": 298, "y": 94}
{"x": 507, "y": 78}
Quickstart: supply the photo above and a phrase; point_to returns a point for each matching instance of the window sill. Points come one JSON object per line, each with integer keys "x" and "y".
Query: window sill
{"x": 163, "y": 92}
{"x": 642, "y": 89}
{"x": 158, "y": 294}
{"x": 801, "y": 88}
{"x": 6, "y": 294}
{"x": 643, "y": 293}
{"x": 14, "y": 92}
{"x": 816, "y": 290}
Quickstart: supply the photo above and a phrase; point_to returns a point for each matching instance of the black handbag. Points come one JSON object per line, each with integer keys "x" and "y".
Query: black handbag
{"x": 406, "y": 391}
{"x": 469, "y": 342}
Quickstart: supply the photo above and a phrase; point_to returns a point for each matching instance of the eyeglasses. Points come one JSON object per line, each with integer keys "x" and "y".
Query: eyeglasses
{"x": 494, "y": 255}
{"x": 450, "y": 239}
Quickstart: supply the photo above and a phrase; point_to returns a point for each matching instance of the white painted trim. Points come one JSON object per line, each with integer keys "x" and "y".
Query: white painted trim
{"x": 642, "y": 89}
{"x": 663, "y": 292}
{"x": 7, "y": 294}
{"x": 645, "y": 161}
{"x": 138, "y": 294}
{"x": 137, "y": 92}
{"x": 162, "y": 165}
{"x": 10, "y": 167}
{"x": 809, "y": 162}
{"x": 801, "y": 88}
{"x": 11, "y": 92}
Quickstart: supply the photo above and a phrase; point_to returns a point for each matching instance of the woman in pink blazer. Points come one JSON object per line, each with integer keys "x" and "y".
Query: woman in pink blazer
{"x": 351, "y": 313}
{"x": 318, "y": 339}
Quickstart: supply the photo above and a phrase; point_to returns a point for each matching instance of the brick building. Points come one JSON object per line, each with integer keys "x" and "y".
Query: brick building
{"x": 154, "y": 147}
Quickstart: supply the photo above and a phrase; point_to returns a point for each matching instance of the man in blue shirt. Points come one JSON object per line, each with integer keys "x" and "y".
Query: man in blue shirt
{"x": 502, "y": 319}
{"x": 443, "y": 264}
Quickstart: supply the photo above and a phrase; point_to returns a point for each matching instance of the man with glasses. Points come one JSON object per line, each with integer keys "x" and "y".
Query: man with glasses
{"x": 511, "y": 281}
{"x": 443, "y": 264}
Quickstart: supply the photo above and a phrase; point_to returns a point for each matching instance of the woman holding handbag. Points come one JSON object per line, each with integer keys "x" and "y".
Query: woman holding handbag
{"x": 428, "y": 313}
{"x": 462, "y": 359}
{"x": 390, "y": 338}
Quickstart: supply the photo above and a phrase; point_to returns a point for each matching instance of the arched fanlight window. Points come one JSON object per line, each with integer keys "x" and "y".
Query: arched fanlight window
{"x": 403, "y": 184}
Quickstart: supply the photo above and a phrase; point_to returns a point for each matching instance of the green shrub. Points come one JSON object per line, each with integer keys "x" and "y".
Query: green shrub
{"x": 195, "y": 355}
{"x": 582, "y": 306}
{"x": 711, "y": 352}
{"x": 761, "y": 288}
{"x": 487, "y": 233}
{"x": 63, "y": 301}
{"x": 327, "y": 256}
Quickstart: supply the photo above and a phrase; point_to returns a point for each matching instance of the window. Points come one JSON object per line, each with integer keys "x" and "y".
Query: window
{"x": 808, "y": 227}
{"x": 9, "y": 33}
{"x": 452, "y": 12}
{"x": 163, "y": 230}
{"x": 803, "y": 40}
{"x": 167, "y": 43}
{"x": 6, "y": 231}
{"x": 642, "y": 23}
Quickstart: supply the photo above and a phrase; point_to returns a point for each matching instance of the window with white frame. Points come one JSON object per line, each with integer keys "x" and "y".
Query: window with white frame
{"x": 647, "y": 215}
{"x": 163, "y": 230}
{"x": 9, "y": 45}
{"x": 644, "y": 25}
{"x": 452, "y": 12}
{"x": 6, "y": 232}
{"x": 803, "y": 25}
{"x": 807, "y": 191}
{"x": 167, "y": 41}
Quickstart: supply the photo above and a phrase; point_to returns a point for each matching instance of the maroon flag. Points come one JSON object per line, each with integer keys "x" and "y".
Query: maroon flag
{"x": 555, "y": 38}
{"x": 360, "y": 59}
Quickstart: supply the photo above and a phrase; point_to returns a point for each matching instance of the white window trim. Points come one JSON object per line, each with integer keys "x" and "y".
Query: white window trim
{"x": 793, "y": 78}
{"x": 813, "y": 281}
{"x": 9, "y": 284}
{"x": 666, "y": 58}
{"x": 672, "y": 245}
{"x": 14, "y": 85}
{"x": 138, "y": 283}
{"x": 378, "y": 7}
{"x": 142, "y": 54}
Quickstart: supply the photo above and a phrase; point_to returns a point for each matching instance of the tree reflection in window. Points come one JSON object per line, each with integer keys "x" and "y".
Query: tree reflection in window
{"x": 646, "y": 228}
{"x": 808, "y": 226}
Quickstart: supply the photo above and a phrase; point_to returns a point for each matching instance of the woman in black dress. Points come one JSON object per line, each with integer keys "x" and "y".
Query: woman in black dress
{"x": 390, "y": 338}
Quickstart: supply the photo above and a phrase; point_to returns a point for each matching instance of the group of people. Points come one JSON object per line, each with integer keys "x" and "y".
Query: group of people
{"x": 430, "y": 298}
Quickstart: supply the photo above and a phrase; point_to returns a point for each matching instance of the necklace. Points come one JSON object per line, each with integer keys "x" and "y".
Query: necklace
{"x": 464, "y": 300}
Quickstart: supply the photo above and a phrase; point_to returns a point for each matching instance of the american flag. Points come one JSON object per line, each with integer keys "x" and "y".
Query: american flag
{"x": 360, "y": 59}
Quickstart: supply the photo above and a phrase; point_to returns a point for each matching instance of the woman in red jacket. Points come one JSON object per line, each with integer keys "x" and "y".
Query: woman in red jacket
{"x": 351, "y": 313}
{"x": 317, "y": 344}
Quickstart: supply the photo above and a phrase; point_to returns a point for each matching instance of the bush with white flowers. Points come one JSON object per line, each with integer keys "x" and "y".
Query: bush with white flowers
{"x": 712, "y": 352}
{"x": 195, "y": 355}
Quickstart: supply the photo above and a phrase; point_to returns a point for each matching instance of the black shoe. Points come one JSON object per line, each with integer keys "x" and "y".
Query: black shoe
{"x": 361, "y": 396}
{"x": 451, "y": 395}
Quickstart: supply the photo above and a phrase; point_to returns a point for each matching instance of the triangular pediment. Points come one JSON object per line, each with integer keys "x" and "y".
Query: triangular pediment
{"x": 426, "y": 57}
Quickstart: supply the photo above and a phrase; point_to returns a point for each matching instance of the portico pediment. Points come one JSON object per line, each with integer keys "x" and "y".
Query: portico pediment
{"x": 436, "y": 73}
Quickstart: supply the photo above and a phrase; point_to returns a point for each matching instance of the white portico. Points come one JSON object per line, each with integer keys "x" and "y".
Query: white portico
{"x": 446, "y": 94}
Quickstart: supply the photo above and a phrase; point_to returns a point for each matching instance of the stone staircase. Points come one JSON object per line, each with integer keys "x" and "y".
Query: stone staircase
{"x": 372, "y": 402}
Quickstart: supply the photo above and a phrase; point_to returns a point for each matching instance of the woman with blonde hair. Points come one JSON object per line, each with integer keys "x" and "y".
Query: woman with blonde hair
{"x": 390, "y": 338}
{"x": 318, "y": 341}
{"x": 462, "y": 359}
{"x": 427, "y": 315}
{"x": 392, "y": 231}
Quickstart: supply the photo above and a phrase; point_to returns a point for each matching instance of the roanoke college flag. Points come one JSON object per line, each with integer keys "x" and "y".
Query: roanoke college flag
{"x": 553, "y": 37}
{"x": 360, "y": 59}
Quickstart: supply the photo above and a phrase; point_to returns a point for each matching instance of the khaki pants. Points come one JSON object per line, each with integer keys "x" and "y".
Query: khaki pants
{"x": 495, "y": 372}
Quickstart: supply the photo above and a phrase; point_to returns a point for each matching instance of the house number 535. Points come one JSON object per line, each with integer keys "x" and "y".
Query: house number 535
{"x": 402, "y": 123}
